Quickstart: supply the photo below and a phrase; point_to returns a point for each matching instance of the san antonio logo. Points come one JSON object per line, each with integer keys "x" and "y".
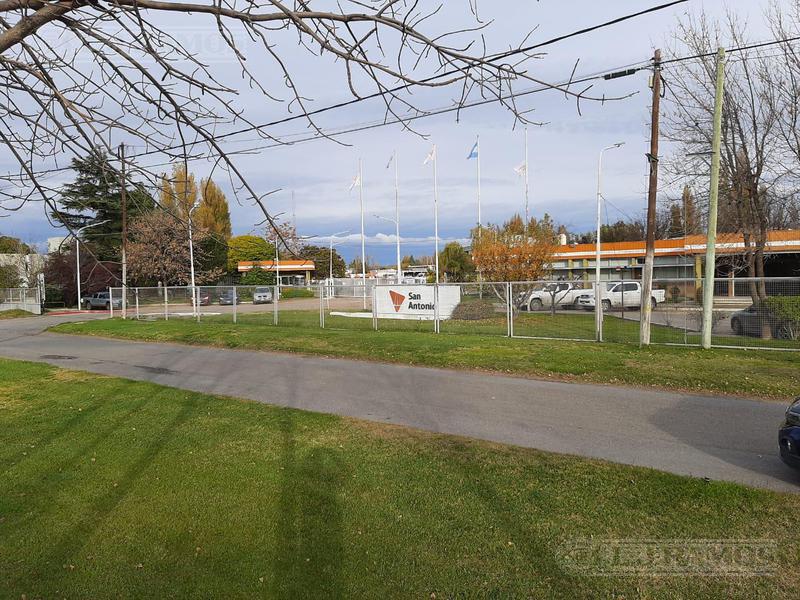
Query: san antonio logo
{"x": 397, "y": 300}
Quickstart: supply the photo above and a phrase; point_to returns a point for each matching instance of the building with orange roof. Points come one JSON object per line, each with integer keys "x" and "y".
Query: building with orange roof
{"x": 677, "y": 258}
{"x": 291, "y": 272}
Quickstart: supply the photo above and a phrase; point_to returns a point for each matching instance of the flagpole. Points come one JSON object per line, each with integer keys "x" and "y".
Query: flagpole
{"x": 527, "y": 169}
{"x": 480, "y": 221}
{"x": 479, "y": 184}
{"x": 397, "y": 217}
{"x": 436, "y": 209}
{"x": 363, "y": 248}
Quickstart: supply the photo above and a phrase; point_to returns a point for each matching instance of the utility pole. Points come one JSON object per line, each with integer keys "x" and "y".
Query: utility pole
{"x": 397, "y": 217}
{"x": 646, "y": 307}
{"x": 124, "y": 200}
{"x": 713, "y": 196}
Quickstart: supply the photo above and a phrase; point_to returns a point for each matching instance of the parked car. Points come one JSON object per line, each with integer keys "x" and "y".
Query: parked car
{"x": 204, "y": 298}
{"x": 757, "y": 320}
{"x": 789, "y": 436}
{"x": 99, "y": 300}
{"x": 228, "y": 297}
{"x": 624, "y": 294}
{"x": 262, "y": 295}
{"x": 564, "y": 294}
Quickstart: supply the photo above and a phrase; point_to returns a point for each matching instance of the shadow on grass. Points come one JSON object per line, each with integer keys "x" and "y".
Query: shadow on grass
{"x": 102, "y": 506}
{"x": 539, "y": 551}
{"x": 82, "y": 451}
{"x": 724, "y": 427}
{"x": 41, "y": 443}
{"x": 309, "y": 551}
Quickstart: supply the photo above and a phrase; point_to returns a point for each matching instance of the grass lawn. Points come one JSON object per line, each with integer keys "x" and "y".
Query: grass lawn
{"x": 750, "y": 373}
{"x": 114, "y": 488}
{"x": 15, "y": 313}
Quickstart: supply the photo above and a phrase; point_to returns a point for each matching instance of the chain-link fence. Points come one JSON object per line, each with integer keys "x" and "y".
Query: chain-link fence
{"x": 27, "y": 299}
{"x": 270, "y": 304}
{"x": 747, "y": 313}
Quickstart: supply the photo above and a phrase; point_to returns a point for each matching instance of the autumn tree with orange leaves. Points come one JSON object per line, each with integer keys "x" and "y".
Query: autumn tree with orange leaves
{"x": 514, "y": 251}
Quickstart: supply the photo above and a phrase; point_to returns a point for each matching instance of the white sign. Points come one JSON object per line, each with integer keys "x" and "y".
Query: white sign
{"x": 415, "y": 301}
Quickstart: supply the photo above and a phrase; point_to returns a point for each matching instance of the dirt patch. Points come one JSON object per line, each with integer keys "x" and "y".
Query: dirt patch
{"x": 11, "y": 396}
{"x": 67, "y": 376}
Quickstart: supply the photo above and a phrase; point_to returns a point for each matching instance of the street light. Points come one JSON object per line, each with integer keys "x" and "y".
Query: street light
{"x": 191, "y": 259}
{"x": 330, "y": 251}
{"x": 598, "y": 299}
{"x": 397, "y": 236}
{"x": 78, "y": 256}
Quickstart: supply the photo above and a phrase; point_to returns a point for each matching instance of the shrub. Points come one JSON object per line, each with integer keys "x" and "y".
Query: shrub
{"x": 296, "y": 293}
{"x": 786, "y": 310}
{"x": 474, "y": 310}
{"x": 258, "y": 276}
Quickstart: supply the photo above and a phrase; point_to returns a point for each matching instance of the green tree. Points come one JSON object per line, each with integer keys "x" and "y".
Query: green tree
{"x": 322, "y": 261}
{"x": 258, "y": 276}
{"x": 355, "y": 265}
{"x": 213, "y": 216}
{"x": 248, "y": 248}
{"x": 12, "y": 245}
{"x": 94, "y": 198}
{"x": 9, "y": 276}
{"x": 178, "y": 192}
{"x": 675, "y": 221}
{"x": 213, "y": 213}
{"x": 408, "y": 261}
{"x": 691, "y": 216}
{"x": 456, "y": 263}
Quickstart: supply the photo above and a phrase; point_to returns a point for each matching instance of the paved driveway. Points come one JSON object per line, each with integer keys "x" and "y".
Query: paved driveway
{"x": 715, "y": 437}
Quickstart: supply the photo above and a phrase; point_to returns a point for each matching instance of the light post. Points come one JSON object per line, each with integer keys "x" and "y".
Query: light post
{"x": 78, "y": 256}
{"x": 330, "y": 252}
{"x": 191, "y": 260}
{"x": 598, "y": 297}
{"x": 396, "y": 222}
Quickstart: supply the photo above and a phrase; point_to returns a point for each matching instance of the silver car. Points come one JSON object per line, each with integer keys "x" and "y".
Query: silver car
{"x": 262, "y": 295}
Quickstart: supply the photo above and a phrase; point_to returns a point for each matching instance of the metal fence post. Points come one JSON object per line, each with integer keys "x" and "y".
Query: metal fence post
{"x": 509, "y": 294}
{"x": 436, "y": 307}
{"x": 136, "y": 294}
{"x": 166, "y": 303}
{"x": 374, "y": 307}
{"x": 235, "y": 302}
{"x": 196, "y": 302}
{"x": 321, "y": 305}
{"x": 275, "y": 294}
{"x": 110, "y": 303}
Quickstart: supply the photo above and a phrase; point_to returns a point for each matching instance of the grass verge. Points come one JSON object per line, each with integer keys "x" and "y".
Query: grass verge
{"x": 15, "y": 313}
{"x": 769, "y": 375}
{"x": 149, "y": 491}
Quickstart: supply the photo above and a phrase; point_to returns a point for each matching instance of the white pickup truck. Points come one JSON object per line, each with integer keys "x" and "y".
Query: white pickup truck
{"x": 563, "y": 294}
{"x": 623, "y": 294}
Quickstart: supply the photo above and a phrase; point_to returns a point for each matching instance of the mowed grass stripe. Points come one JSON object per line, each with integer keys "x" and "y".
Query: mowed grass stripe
{"x": 769, "y": 375}
{"x": 133, "y": 490}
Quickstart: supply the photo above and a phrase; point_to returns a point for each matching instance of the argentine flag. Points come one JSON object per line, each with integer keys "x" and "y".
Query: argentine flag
{"x": 474, "y": 152}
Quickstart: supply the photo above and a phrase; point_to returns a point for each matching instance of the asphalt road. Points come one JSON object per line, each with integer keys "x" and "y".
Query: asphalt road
{"x": 719, "y": 438}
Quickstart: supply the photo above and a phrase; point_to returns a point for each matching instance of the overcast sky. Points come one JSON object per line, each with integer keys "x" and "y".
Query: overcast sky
{"x": 563, "y": 152}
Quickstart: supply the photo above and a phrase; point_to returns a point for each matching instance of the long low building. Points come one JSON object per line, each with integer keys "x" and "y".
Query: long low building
{"x": 678, "y": 258}
{"x": 291, "y": 272}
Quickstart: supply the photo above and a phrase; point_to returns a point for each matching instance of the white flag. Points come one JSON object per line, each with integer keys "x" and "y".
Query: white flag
{"x": 431, "y": 155}
{"x": 521, "y": 170}
{"x": 356, "y": 181}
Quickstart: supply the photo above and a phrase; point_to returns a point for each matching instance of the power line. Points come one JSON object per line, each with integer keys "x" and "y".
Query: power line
{"x": 382, "y": 93}
{"x": 356, "y": 128}
{"x": 754, "y": 46}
